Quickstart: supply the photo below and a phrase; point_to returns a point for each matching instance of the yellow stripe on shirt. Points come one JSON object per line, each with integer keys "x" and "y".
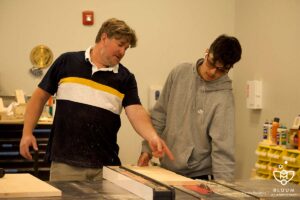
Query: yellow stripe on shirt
{"x": 92, "y": 84}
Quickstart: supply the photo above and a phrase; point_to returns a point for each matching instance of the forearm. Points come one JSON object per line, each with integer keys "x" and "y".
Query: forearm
{"x": 140, "y": 121}
{"x": 34, "y": 109}
{"x": 31, "y": 118}
{"x": 158, "y": 118}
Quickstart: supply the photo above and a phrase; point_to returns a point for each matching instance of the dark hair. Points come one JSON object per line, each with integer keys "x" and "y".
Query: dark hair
{"x": 226, "y": 49}
{"x": 118, "y": 29}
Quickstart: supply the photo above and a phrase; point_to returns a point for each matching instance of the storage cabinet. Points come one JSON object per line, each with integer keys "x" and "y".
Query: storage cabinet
{"x": 10, "y": 158}
{"x": 271, "y": 158}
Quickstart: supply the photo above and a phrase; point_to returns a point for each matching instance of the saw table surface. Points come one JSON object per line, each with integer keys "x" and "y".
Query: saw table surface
{"x": 93, "y": 190}
{"x": 89, "y": 190}
{"x": 104, "y": 189}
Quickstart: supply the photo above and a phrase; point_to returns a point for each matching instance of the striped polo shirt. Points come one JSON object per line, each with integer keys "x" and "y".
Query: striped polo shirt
{"x": 88, "y": 107}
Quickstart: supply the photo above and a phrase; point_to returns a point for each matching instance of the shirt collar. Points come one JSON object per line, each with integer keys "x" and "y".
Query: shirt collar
{"x": 87, "y": 54}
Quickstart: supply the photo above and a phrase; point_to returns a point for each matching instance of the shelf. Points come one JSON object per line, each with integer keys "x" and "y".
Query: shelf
{"x": 277, "y": 158}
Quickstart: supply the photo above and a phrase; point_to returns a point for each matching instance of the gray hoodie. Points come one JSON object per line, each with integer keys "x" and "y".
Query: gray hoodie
{"x": 196, "y": 120}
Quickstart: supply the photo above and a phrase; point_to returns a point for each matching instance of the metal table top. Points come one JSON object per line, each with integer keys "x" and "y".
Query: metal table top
{"x": 94, "y": 190}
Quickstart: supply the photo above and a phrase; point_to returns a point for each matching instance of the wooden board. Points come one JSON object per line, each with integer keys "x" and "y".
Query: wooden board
{"x": 25, "y": 185}
{"x": 163, "y": 175}
{"x": 137, "y": 184}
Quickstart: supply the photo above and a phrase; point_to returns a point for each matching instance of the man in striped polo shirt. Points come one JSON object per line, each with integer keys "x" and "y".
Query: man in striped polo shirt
{"x": 91, "y": 89}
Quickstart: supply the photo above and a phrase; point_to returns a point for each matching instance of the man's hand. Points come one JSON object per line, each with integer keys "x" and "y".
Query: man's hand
{"x": 141, "y": 123}
{"x": 25, "y": 143}
{"x": 144, "y": 159}
{"x": 159, "y": 148}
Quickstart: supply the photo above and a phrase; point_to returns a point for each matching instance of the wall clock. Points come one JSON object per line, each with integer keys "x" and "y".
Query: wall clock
{"x": 41, "y": 57}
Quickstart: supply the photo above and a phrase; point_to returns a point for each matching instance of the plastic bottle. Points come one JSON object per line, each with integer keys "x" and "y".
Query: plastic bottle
{"x": 282, "y": 132}
{"x": 283, "y": 139}
{"x": 275, "y": 125}
{"x": 266, "y": 130}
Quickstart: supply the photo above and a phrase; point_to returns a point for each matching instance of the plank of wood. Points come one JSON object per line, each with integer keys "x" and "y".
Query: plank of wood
{"x": 163, "y": 175}
{"x": 130, "y": 184}
{"x": 25, "y": 185}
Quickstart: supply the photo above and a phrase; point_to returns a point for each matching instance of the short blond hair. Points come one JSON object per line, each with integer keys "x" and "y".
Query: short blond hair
{"x": 118, "y": 29}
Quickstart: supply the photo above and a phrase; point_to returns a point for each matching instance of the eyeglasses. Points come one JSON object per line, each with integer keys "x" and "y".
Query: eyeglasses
{"x": 212, "y": 65}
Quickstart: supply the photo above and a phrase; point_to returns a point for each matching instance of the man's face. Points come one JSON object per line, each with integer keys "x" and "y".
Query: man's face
{"x": 211, "y": 70}
{"x": 113, "y": 50}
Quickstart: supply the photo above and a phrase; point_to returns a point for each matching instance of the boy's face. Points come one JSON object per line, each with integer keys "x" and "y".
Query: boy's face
{"x": 211, "y": 70}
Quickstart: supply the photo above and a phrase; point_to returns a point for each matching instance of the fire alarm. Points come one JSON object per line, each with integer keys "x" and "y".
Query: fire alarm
{"x": 87, "y": 17}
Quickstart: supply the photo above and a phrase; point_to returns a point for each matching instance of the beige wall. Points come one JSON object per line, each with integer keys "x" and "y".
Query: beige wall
{"x": 169, "y": 32}
{"x": 269, "y": 31}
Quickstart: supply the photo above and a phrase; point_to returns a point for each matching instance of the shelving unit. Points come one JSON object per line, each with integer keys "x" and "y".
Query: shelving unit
{"x": 276, "y": 158}
{"x": 10, "y": 158}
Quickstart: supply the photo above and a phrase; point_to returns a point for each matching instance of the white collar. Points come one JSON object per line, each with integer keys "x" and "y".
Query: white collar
{"x": 87, "y": 54}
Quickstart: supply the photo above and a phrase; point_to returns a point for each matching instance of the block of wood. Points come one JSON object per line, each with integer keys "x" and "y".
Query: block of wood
{"x": 25, "y": 185}
{"x": 163, "y": 175}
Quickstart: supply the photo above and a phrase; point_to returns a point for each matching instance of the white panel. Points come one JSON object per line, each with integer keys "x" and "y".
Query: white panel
{"x": 254, "y": 94}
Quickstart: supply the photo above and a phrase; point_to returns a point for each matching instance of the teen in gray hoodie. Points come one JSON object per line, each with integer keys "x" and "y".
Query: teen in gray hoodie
{"x": 195, "y": 115}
